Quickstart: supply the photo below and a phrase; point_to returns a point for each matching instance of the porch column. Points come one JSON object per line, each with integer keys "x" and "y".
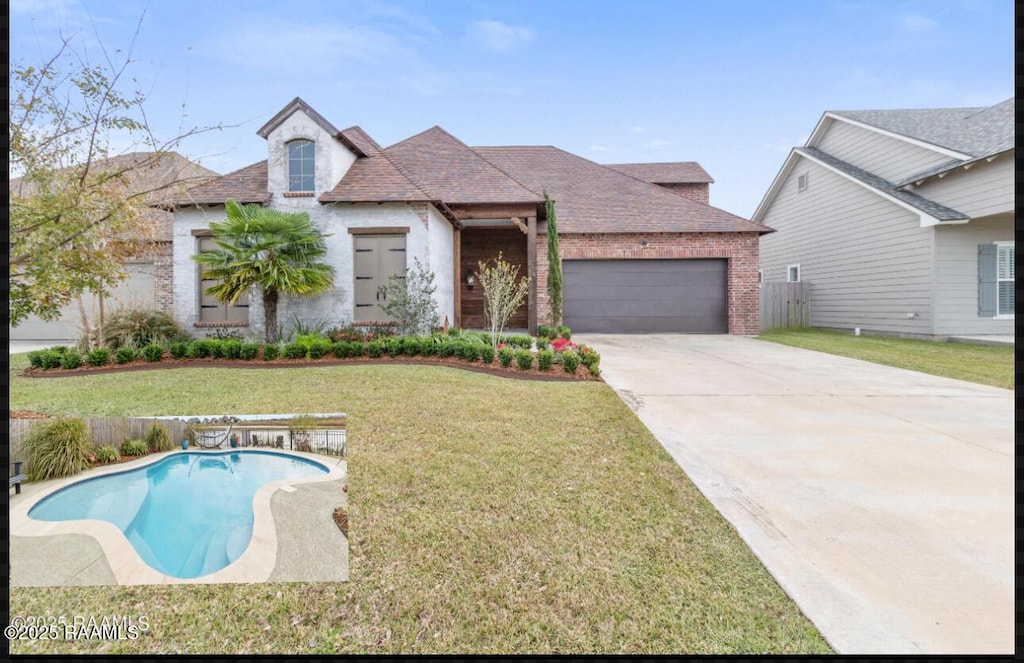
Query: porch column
{"x": 457, "y": 270}
{"x": 531, "y": 267}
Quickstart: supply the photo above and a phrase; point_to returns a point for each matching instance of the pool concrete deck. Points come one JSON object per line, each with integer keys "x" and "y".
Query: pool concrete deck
{"x": 294, "y": 537}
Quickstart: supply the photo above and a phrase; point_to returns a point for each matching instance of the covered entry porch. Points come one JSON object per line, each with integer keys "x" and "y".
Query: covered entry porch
{"x": 482, "y": 237}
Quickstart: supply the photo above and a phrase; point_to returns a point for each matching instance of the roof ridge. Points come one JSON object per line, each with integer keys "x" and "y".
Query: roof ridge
{"x": 503, "y": 171}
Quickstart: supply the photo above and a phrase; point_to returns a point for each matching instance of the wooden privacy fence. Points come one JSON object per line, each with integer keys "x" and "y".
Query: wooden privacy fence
{"x": 322, "y": 435}
{"x": 785, "y": 304}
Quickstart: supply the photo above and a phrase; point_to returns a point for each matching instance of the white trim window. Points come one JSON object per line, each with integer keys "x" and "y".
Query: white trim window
{"x": 793, "y": 273}
{"x": 1005, "y": 270}
{"x": 301, "y": 165}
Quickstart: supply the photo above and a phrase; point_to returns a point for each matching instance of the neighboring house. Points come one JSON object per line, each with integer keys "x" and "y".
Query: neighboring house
{"x": 150, "y": 270}
{"x": 901, "y": 221}
{"x": 636, "y": 257}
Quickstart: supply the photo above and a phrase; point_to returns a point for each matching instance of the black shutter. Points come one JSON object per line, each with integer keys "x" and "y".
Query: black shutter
{"x": 987, "y": 280}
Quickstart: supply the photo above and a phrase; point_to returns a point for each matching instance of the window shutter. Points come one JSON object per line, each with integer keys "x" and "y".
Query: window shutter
{"x": 987, "y": 280}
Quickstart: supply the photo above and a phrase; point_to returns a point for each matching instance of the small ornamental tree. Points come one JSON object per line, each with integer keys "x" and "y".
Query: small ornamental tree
{"x": 504, "y": 293}
{"x": 554, "y": 263}
{"x": 409, "y": 301}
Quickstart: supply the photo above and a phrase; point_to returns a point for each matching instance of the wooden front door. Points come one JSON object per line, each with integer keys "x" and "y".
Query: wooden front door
{"x": 481, "y": 245}
{"x": 377, "y": 259}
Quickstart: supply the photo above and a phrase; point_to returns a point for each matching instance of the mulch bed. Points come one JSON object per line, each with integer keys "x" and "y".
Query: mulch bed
{"x": 557, "y": 372}
{"x": 341, "y": 520}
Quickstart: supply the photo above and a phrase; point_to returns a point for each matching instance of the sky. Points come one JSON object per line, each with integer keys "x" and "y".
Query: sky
{"x": 731, "y": 84}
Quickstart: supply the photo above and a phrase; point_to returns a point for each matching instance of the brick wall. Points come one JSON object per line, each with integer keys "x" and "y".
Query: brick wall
{"x": 741, "y": 250}
{"x": 693, "y": 191}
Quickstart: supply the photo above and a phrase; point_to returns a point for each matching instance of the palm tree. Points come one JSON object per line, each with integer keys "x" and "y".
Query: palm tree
{"x": 266, "y": 248}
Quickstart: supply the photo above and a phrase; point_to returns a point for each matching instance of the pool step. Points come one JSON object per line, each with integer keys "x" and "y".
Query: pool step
{"x": 193, "y": 566}
{"x": 237, "y": 542}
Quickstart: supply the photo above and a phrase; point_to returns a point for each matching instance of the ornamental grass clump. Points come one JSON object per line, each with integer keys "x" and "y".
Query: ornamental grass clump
{"x": 134, "y": 448}
{"x": 108, "y": 453}
{"x": 57, "y": 448}
{"x": 158, "y": 438}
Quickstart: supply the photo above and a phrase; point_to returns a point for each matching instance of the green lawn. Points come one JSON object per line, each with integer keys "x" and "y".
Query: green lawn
{"x": 983, "y": 364}
{"x": 488, "y": 515}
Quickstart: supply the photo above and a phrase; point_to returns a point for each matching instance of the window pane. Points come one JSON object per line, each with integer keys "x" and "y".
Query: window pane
{"x": 1006, "y": 297}
{"x": 300, "y": 165}
{"x": 1006, "y": 262}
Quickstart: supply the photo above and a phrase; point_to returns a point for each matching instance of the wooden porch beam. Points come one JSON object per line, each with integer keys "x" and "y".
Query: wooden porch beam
{"x": 531, "y": 267}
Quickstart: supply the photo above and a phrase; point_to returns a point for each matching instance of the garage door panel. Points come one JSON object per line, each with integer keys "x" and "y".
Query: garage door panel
{"x": 635, "y": 296}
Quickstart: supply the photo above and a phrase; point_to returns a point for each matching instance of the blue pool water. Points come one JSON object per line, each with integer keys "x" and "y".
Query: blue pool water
{"x": 187, "y": 515}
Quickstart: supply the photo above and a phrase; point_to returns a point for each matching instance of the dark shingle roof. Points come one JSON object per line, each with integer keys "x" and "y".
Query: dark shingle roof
{"x": 158, "y": 177}
{"x": 675, "y": 172}
{"x": 931, "y": 208}
{"x": 451, "y": 171}
{"x": 246, "y": 185}
{"x": 593, "y": 198}
{"x": 975, "y": 131}
{"x": 373, "y": 177}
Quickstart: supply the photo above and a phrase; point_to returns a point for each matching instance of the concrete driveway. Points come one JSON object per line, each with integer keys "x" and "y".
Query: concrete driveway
{"x": 880, "y": 499}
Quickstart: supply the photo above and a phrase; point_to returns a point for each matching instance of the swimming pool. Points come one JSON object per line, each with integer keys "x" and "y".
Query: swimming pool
{"x": 188, "y": 515}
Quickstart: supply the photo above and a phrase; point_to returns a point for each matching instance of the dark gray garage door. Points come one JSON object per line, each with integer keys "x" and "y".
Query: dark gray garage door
{"x": 634, "y": 296}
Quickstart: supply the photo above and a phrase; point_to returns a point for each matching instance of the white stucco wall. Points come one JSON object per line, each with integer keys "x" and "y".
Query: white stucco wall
{"x": 442, "y": 261}
{"x": 432, "y": 244}
{"x": 331, "y": 159}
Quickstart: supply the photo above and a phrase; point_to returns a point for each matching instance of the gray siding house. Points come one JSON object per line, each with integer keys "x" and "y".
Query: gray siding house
{"x": 901, "y": 221}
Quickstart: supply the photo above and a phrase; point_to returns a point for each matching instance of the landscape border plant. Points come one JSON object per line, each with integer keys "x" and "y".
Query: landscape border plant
{"x": 57, "y": 448}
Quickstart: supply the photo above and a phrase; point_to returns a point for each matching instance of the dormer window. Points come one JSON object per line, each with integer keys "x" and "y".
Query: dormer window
{"x": 300, "y": 165}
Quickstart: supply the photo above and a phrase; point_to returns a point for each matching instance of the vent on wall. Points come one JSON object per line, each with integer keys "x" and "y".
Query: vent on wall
{"x": 801, "y": 182}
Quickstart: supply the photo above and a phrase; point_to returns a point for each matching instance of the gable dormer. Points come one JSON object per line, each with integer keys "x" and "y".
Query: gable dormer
{"x": 306, "y": 154}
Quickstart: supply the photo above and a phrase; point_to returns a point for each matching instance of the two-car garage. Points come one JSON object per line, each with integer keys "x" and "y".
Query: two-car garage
{"x": 646, "y": 295}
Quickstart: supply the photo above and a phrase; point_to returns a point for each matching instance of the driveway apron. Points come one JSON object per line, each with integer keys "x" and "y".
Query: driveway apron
{"x": 880, "y": 499}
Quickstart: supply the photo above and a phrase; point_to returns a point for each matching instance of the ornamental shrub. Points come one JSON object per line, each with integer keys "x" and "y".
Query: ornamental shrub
{"x": 249, "y": 351}
{"x": 505, "y": 356}
{"x": 544, "y": 359}
{"x": 216, "y": 347}
{"x": 294, "y": 350}
{"x": 393, "y": 346}
{"x": 543, "y": 343}
{"x": 35, "y": 359}
{"x": 565, "y": 332}
{"x": 590, "y": 358}
{"x": 446, "y": 348}
{"x": 57, "y": 448}
{"x": 318, "y": 347}
{"x": 487, "y": 354}
{"x": 543, "y": 331}
{"x": 356, "y": 349}
{"x": 231, "y": 348}
{"x": 519, "y": 341}
{"x": 271, "y": 352}
{"x": 570, "y": 360}
{"x": 134, "y": 448}
{"x": 199, "y": 348}
{"x": 125, "y": 354}
{"x": 107, "y": 454}
{"x": 98, "y": 357}
{"x": 153, "y": 352}
{"x": 50, "y": 359}
{"x": 412, "y": 345}
{"x": 71, "y": 359}
{"x": 525, "y": 359}
{"x": 374, "y": 348}
{"x": 179, "y": 349}
{"x": 340, "y": 349}
{"x": 468, "y": 349}
{"x": 158, "y": 438}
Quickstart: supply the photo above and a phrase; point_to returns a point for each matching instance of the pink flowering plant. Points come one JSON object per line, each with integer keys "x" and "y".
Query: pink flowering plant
{"x": 563, "y": 345}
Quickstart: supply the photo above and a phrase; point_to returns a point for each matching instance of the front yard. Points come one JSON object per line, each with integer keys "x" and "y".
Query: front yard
{"x": 981, "y": 364}
{"x": 487, "y": 515}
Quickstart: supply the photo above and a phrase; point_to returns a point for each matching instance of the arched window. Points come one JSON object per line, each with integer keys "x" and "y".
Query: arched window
{"x": 300, "y": 165}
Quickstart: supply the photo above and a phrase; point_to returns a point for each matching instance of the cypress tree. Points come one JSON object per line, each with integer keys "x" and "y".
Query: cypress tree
{"x": 554, "y": 263}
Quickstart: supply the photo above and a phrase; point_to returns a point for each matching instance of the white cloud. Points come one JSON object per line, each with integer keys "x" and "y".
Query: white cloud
{"x": 657, "y": 142}
{"x": 499, "y": 37}
{"x": 918, "y": 23}
{"x": 302, "y": 49}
